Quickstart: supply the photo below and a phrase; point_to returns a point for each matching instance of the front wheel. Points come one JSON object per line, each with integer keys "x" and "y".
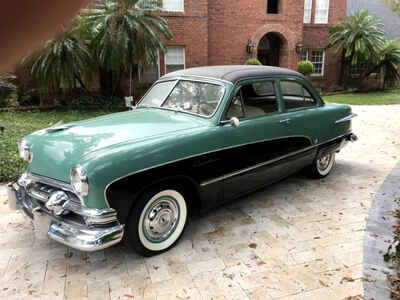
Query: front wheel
{"x": 157, "y": 221}
{"x": 322, "y": 166}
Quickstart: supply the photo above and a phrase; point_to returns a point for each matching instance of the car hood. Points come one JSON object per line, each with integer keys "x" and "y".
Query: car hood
{"x": 57, "y": 149}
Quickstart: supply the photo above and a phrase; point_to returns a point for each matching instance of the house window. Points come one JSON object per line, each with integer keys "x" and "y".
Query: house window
{"x": 318, "y": 60}
{"x": 359, "y": 69}
{"x": 272, "y": 6}
{"x": 149, "y": 74}
{"x": 307, "y": 11}
{"x": 173, "y": 5}
{"x": 322, "y": 12}
{"x": 174, "y": 59}
{"x": 304, "y": 54}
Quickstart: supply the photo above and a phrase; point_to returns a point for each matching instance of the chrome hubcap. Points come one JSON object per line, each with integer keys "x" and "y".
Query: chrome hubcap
{"x": 161, "y": 219}
{"x": 323, "y": 162}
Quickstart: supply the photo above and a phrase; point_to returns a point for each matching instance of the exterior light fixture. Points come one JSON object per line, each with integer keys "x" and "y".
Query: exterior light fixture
{"x": 299, "y": 47}
{"x": 249, "y": 47}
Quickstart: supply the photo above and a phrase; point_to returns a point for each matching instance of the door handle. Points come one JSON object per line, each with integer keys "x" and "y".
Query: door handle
{"x": 286, "y": 121}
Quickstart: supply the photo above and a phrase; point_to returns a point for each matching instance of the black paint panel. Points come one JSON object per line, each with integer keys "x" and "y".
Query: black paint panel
{"x": 206, "y": 174}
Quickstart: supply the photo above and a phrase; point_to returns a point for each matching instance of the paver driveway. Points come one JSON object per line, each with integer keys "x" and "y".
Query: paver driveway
{"x": 298, "y": 239}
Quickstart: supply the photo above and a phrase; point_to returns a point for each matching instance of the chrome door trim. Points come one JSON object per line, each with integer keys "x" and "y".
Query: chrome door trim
{"x": 259, "y": 165}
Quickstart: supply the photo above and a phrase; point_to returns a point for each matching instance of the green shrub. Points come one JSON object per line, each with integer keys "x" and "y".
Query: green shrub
{"x": 253, "y": 61}
{"x": 305, "y": 67}
{"x": 29, "y": 98}
{"x": 7, "y": 88}
{"x": 91, "y": 101}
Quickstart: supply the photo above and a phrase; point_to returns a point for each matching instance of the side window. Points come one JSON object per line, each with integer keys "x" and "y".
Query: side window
{"x": 295, "y": 96}
{"x": 254, "y": 100}
{"x": 236, "y": 107}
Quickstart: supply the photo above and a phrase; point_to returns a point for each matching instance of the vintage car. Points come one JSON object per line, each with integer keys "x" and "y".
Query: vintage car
{"x": 199, "y": 137}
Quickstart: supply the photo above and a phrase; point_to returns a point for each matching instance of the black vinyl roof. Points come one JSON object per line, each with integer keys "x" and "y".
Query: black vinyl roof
{"x": 234, "y": 73}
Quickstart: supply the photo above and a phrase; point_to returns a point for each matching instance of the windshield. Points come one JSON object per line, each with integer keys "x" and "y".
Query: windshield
{"x": 194, "y": 97}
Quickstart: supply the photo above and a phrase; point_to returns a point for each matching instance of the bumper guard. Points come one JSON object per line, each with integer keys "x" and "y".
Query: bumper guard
{"x": 78, "y": 236}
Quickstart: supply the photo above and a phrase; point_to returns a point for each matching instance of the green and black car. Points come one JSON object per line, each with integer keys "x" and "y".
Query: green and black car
{"x": 198, "y": 138}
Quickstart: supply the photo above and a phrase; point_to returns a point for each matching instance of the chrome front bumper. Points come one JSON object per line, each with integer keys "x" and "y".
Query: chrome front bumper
{"x": 84, "y": 237}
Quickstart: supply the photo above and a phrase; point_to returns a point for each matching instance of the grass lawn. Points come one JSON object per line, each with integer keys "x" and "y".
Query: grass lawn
{"x": 376, "y": 98}
{"x": 19, "y": 124}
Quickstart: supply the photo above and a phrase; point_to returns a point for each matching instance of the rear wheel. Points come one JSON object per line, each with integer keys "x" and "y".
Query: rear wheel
{"x": 157, "y": 220}
{"x": 322, "y": 166}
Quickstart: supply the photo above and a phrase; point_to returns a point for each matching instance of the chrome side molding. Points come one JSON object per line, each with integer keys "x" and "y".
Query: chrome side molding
{"x": 345, "y": 119}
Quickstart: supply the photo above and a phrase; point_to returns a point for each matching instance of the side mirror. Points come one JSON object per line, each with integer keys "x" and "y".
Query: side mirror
{"x": 234, "y": 122}
{"x": 129, "y": 102}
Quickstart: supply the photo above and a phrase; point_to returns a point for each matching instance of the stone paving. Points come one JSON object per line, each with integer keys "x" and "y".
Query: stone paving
{"x": 298, "y": 239}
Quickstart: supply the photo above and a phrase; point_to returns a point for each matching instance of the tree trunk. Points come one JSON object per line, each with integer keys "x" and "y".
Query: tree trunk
{"x": 106, "y": 82}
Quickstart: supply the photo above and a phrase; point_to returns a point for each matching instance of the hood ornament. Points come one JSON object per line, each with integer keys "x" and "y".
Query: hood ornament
{"x": 58, "y": 127}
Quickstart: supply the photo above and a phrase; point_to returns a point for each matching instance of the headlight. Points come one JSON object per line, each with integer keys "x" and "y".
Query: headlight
{"x": 24, "y": 152}
{"x": 79, "y": 181}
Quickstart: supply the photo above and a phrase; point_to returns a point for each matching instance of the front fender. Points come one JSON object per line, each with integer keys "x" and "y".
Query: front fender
{"x": 108, "y": 165}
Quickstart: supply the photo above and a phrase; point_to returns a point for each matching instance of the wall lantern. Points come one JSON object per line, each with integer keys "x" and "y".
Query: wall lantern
{"x": 249, "y": 47}
{"x": 299, "y": 47}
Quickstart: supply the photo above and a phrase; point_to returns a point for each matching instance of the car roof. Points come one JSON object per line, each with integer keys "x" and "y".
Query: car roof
{"x": 234, "y": 73}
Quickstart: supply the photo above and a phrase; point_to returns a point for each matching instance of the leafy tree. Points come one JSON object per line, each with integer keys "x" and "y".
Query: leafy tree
{"x": 360, "y": 36}
{"x": 62, "y": 63}
{"x": 121, "y": 37}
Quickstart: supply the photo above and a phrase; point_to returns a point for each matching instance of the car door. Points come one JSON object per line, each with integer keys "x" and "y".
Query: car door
{"x": 301, "y": 109}
{"x": 261, "y": 138}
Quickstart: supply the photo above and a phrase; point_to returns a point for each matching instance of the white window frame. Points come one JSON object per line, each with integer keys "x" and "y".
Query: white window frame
{"x": 184, "y": 57}
{"x": 181, "y": 9}
{"x": 323, "y": 63}
{"x": 308, "y": 9}
{"x": 305, "y": 53}
{"x": 158, "y": 69}
{"x": 320, "y": 7}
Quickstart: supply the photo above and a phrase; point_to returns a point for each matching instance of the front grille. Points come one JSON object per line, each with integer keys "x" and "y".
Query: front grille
{"x": 42, "y": 192}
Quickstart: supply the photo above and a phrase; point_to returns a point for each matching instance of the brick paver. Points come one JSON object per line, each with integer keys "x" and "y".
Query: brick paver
{"x": 298, "y": 239}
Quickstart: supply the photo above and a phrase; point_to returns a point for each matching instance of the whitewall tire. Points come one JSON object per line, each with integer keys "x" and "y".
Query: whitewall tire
{"x": 322, "y": 165}
{"x": 158, "y": 221}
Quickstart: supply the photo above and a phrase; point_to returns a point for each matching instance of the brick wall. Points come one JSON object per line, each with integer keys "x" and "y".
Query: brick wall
{"x": 315, "y": 36}
{"x": 190, "y": 29}
{"x": 216, "y": 32}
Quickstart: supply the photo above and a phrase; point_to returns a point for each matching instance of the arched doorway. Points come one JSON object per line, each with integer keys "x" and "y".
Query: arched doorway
{"x": 269, "y": 49}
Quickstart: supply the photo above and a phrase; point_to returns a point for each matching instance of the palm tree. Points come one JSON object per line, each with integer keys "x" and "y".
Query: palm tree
{"x": 360, "y": 35}
{"x": 394, "y": 5}
{"x": 121, "y": 37}
{"x": 388, "y": 63}
{"x": 63, "y": 62}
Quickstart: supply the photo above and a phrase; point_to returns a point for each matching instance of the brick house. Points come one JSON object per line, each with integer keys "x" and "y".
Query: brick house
{"x": 277, "y": 32}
